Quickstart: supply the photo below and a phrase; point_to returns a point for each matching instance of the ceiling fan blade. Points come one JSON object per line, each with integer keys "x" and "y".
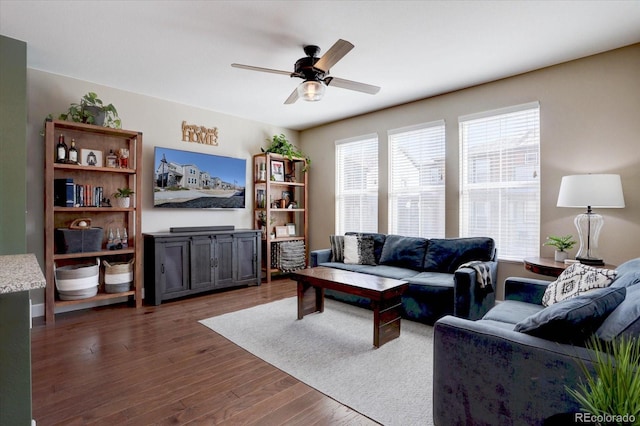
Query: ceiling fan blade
{"x": 252, "y": 68}
{"x": 293, "y": 97}
{"x": 333, "y": 55}
{"x": 351, "y": 85}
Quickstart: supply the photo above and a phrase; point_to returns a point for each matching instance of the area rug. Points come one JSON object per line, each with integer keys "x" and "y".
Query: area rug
{"x": 333, "y": 352}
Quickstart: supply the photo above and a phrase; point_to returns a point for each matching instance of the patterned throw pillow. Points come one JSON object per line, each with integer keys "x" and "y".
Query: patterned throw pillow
{"x": 575, "y": 280}
{"x": 358, "y": 250}
{"x": 337, "y": 248}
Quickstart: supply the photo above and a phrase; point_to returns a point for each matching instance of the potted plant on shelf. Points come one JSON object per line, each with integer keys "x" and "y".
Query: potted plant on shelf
{"x": 262, "y": 219}
{"x": 262, "y": 222}
{"x": 280, "y": 145}
{"x": 91, "y": 110}
{"x": 561, "y": 243}
{"x": 123, "y": 197}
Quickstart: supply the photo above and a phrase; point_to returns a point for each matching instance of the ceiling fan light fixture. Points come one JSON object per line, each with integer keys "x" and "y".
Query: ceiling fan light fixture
{"x": 311, "y": 91}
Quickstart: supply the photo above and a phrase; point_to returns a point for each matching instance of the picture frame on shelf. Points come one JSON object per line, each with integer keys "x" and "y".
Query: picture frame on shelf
{"x": 282, "y": 232}
{"x": 91, "y": 157}
{"x": 277, "y": 171}
{"x": 291, "y": 229}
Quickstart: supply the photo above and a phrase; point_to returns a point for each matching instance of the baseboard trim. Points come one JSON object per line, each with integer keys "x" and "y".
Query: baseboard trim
{"x": 38, "y": 310}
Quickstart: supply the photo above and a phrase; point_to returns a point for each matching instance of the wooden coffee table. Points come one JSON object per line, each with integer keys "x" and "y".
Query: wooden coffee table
{"x": 384, "y": 294}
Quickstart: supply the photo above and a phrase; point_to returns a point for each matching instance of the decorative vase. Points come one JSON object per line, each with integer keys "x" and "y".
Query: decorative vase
{"x": 561, "y": 256}
{"x": 123, "y": 202}
{"x": 98, "y": 114}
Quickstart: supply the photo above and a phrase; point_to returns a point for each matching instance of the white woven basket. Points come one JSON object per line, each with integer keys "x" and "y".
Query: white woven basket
{"x": 77, "y": 281}
{"x": 118, "y": 276}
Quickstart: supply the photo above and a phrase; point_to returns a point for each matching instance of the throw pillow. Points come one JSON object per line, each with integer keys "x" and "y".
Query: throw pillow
{"x": 447, "y": 254}
{"x": 358, "y": 250}
{"x": 625, "y": 319}
{"x": 337, "y": 248}
{"x": 575, "y": 280}
{"x": 575, "y": 319}
{"x": 405, "y": 252}
{"x": 378, "y": 241}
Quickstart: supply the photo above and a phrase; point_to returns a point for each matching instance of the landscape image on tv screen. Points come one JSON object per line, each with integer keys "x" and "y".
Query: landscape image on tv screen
{"x": 184, "y": 179}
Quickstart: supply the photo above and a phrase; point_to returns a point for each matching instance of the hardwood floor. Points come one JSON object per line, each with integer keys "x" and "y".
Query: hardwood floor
{"x": 158, "y": 365}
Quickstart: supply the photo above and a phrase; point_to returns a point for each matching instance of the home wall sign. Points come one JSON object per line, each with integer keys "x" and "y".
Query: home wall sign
{"x": 199, "y": 134}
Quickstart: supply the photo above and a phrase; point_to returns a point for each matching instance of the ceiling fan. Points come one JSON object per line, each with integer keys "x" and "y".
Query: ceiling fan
{"x": 315, "y": 73}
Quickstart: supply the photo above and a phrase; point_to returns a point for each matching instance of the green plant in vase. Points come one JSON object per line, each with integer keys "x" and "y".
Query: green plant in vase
{"x": 123, "y": 197}
{"x": 561, "y": 243}
{"x": 279, "y": 144}
{"x": 91, "y": 110}
{"x": 262, "y": 219}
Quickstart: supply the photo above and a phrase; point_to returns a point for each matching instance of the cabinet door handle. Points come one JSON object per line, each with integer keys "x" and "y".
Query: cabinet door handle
{"x": 162, "y": 269}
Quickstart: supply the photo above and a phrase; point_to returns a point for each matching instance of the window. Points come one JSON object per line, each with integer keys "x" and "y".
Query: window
{"x": 500, "y": 179}
{"x": 416, "y": 180}
{"x": 357, "y": 185}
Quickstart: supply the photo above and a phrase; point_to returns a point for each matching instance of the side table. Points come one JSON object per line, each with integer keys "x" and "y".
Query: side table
{"x": 548, "y": 266}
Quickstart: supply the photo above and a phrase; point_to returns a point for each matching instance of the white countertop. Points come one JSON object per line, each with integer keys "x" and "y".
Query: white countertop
{"x": 20, "y": 272}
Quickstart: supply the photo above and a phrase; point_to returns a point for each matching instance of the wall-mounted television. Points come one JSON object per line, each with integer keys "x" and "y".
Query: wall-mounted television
{"x": 192, "y": 180}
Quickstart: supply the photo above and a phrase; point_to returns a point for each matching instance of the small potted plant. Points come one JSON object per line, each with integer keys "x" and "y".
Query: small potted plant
{"x": 561, "y": 243}
{"x": 123, "y": 197}
{"x": 262, "y": 219}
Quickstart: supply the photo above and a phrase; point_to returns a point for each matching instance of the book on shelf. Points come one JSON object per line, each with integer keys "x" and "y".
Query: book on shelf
{"x": 63, "y": 192}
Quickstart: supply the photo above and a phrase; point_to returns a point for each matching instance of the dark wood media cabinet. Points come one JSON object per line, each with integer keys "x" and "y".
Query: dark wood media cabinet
{"x": 180, "y": 264}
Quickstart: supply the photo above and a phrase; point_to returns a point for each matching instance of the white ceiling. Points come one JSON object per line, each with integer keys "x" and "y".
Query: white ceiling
{"x": 182, "y": 50}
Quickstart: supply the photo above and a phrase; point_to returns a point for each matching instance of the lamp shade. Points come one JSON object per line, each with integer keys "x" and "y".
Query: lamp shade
{"x": 592, "y": 190}
{"x": 311, "y": 90}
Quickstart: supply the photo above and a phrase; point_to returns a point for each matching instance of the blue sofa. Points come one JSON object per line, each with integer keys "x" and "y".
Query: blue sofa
{"x": 437, "y": 284}
{"x": 486, "y": 373}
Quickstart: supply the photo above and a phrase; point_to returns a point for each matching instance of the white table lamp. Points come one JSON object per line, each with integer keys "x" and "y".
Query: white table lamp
{"x": 590, "y": 191}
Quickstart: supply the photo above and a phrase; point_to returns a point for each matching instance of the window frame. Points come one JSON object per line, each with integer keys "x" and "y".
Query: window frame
{"x": 368, "y": 190}
{"x": 510, "y": 189}
{"x": 429, "y": 224}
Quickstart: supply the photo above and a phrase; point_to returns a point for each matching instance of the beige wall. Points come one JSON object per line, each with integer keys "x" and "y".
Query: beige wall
{"x": 160, "y": 122}
{"x": 590, "y": 123}
{"x": 589, "y": 120}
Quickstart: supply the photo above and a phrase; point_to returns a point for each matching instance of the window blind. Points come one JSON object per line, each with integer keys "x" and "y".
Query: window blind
{"x": 417, "y": 180}
{"x": 500, "y": 179}
{"x": 357, "y": 185}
